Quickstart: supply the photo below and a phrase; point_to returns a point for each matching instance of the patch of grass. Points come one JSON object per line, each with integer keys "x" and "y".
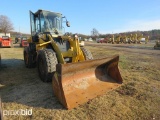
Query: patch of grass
{"x": 127, "y": 89}
{"x": 123, "y": 62}
{"x": 137, "y": 99}
{"x": 142, "y": 96}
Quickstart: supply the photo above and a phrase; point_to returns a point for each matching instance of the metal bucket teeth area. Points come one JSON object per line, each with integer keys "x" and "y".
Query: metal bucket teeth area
{"x": 77, "y": 83}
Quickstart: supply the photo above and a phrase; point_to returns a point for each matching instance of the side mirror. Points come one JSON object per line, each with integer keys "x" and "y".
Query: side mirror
{"x": 67, "y": 23}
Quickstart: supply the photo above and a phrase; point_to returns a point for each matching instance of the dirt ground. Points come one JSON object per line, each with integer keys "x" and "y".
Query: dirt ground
{"x": 138, "y": 97}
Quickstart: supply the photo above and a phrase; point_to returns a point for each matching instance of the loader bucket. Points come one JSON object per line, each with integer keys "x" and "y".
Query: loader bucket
{"x": 76, "y": 83}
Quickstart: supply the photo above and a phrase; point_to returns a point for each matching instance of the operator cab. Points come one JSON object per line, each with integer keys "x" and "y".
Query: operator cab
{"x": 47, "y": 22}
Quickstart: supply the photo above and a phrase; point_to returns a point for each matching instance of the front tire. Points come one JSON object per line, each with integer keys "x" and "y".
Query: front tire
{"x": 87, "y": 54}
{"x": 47, "y": 62}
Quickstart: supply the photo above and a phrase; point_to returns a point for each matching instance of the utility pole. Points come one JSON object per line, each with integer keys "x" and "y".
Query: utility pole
{"x": 19, "y": 30}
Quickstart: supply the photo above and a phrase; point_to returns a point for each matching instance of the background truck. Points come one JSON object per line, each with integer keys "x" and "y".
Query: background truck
{"x": 5, "y": 41}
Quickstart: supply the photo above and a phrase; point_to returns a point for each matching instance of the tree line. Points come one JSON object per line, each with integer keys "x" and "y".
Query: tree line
{"x": 7, "y": 26}
{"x": 153, "y": 34}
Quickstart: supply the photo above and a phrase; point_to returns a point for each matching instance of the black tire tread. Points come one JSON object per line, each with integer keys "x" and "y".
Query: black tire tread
{"x": 51, "y": 60}
{"x": 31, "y": 63}
{"x": 87, "y": 53}
{"x": 1, "y": 112}
{"x": 49, "y": 57}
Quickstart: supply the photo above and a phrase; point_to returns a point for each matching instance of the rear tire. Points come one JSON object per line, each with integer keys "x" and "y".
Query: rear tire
{"x": 1, "y": 111}
{"x": 87, "y": 53}
{"x": 0, "y": 60}
{"x": 28, "y": 58}
{"x": 47, "y": 62}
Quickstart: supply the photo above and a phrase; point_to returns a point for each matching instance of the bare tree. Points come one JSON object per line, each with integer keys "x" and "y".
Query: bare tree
{"x": 94, "y": 32}
{"x": 5, "y": 24}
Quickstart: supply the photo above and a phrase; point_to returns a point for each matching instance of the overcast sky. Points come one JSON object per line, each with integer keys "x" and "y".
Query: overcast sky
{"x": 107, "y": 16}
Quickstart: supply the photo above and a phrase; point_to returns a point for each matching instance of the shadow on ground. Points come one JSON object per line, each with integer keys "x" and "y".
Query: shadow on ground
{"x": 21, "y": 85}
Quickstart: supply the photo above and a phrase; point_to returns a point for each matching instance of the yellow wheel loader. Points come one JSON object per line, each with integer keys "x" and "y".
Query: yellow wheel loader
{"x": 76, "y": 76}
{"x": 157, "y": 45}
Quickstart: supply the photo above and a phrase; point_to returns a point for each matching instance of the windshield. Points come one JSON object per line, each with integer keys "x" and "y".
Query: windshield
{"x": 51, "y": 22}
